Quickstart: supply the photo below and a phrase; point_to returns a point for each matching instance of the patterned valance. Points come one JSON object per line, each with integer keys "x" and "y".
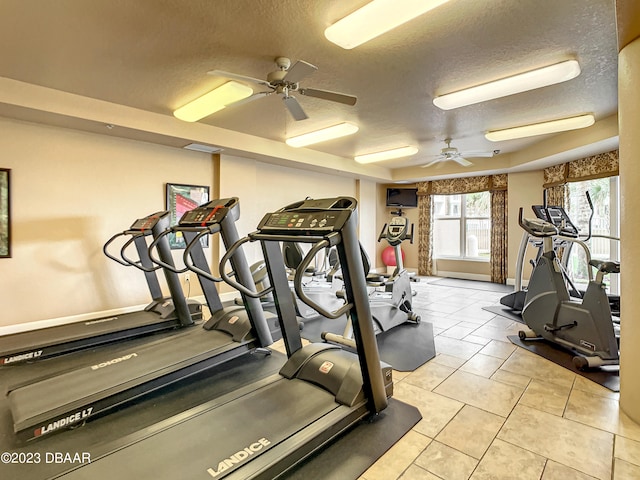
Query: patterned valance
{"x": 596, "y": 166}
{"x": 463, "y": 185}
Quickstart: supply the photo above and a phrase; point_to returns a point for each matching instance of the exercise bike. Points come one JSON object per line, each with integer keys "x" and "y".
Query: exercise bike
{"x": 393, "y": 305}
{"x": 584, "y": 326}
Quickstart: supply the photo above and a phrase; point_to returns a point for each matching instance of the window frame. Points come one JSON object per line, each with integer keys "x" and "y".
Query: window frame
{"x": 462, "y": 219}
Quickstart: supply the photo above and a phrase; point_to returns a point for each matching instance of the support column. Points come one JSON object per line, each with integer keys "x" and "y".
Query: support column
{"x": 629, "y": 124}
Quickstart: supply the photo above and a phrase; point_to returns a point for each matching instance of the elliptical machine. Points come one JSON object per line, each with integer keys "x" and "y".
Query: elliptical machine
{"x": 584, "y": 327}
{"x": 392, "y": 306}
{"x": 557, "y": 216}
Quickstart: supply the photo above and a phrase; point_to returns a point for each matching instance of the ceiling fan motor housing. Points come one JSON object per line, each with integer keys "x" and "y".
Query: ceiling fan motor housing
{"x": 277, "y": 77}
{"x": 449, "y": 151}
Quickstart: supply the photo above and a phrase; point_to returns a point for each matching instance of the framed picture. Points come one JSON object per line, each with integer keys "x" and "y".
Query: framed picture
{"x": 180, "y": 199}
{"x": 5, "y": 213}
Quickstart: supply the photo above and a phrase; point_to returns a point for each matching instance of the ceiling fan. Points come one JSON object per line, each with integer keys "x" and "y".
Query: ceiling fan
{"x": 285, "y": 81}
{"x": 452, "y": 153}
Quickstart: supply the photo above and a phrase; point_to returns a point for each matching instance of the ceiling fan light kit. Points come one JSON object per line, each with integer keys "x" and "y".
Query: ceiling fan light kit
{"x": 523, "y": 82}
{"x": 386, "y": 155}
{"x": 322, "y": 135}
{"x": 374, "y": 19}
{"x": 554, "y": 126}
{"x": 213, "y": 101}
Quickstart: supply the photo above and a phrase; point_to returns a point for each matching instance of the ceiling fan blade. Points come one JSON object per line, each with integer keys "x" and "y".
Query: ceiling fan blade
{"x": 294, "y": 108}
{"x": 331, "y": 96}
{"x": 432, "y": 162}
{"x": 478, "y": 154}
{"x": 241, "y": 78}
{"x": 462, "y": 161}
{"x": 298, "y": 71}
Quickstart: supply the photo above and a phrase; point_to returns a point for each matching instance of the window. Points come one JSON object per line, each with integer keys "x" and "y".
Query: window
{"x": 462, "y": 226}
{"x": 605, "y": 198}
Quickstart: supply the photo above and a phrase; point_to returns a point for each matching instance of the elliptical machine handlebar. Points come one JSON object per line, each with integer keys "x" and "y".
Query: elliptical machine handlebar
{"x": 588, "y": 237}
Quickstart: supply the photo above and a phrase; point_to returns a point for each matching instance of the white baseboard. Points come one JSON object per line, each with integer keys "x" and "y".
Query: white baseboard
{"x": 228, "y": 296}
{"x": 464, "y": 276}
{"x": 54, "y": 322}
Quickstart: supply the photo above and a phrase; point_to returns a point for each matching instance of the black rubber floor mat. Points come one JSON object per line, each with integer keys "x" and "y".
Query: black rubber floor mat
{"x": 404, "y": 347}
{"x": 608, "y": 376}
{"x": 358, "y": 449}
{"x": 505, "y": 312}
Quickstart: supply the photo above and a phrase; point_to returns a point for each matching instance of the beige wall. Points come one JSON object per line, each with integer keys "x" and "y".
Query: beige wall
{"x": 525, "y": 189}
{"x": 262, "y": 188}
{"x": 70, "y": 192}
{"x": 368, "y": 216}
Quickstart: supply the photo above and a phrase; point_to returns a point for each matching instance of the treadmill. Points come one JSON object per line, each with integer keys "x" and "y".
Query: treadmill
{"x": 161, "y": 314}
{"x": 263, "y": 429}
{"x": 67, "y": 400}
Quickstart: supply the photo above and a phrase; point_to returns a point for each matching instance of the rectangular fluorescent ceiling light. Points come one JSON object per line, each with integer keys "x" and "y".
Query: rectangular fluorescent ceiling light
{"x": 386, "y": 155}
{"x": 198, "y": 147}
{"x": 562, "y": 125}
{"x": 374, "y": 19}
{"x": 542, "y": 77}
{"x": 213, "y": 101}
{"x": 317, "y": 136}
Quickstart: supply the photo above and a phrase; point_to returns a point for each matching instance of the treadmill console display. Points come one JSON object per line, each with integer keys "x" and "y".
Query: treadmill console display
{"x": 148, "y": 222}
{"x": 204, "y": 216}
{"x": 304, "y": 222}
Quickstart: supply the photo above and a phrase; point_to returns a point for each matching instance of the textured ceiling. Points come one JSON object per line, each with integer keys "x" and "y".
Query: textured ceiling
{"x": 154, "y": 55}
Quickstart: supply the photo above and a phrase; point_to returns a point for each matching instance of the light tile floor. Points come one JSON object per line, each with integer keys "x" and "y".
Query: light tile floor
{"x": 494, "y": 411}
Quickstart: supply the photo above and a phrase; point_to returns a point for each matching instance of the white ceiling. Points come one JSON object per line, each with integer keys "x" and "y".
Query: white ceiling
{"x": 154, "y": 55}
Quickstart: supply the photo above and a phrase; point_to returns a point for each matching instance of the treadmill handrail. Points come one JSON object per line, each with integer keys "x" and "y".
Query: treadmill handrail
{"x": 105, "y": 248}
{"x": 124, "y": 260}
{"x": 135, "y": 263}
{"x": 157, "y": 260}
{"x": 186, "y": 257}
{"x": 237, "y": 285}
{"x": 297, "y": 282}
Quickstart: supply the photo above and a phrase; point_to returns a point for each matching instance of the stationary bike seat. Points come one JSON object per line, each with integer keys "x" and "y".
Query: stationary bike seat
{"x": 609, "y": 266}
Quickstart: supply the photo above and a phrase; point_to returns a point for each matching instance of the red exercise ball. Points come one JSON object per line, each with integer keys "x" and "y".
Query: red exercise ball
{"x": 389, "y": 256}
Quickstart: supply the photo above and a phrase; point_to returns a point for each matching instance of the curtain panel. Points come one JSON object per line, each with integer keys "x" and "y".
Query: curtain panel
{"x": 499, "y": 243}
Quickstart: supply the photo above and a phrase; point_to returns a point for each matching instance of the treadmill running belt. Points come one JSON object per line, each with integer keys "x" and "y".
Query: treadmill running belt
{"x": 37, "y": 407}
{"x": 209, "y": 444}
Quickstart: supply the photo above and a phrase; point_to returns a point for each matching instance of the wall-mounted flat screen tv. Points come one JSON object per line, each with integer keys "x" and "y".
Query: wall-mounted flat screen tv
{"x": 402, "y": 197}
